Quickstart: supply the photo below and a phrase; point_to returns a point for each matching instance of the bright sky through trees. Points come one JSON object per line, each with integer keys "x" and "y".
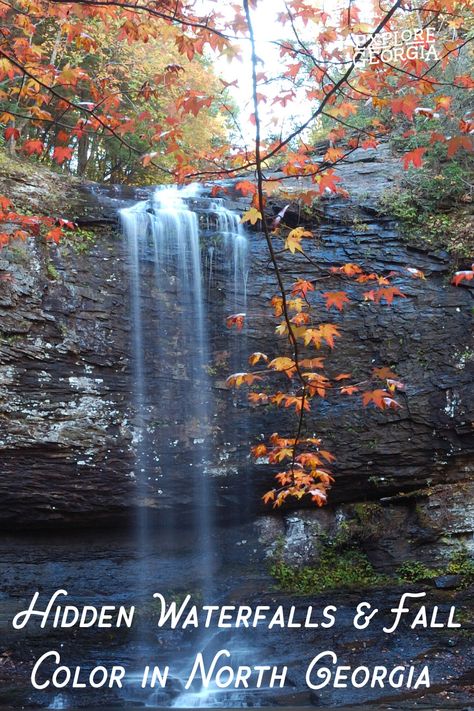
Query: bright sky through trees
{"x": 268, "y": 32}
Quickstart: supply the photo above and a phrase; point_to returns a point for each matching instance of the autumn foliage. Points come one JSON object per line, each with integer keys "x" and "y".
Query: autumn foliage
{"x": 129, "y": 92}
{"x": 306, "y": 464}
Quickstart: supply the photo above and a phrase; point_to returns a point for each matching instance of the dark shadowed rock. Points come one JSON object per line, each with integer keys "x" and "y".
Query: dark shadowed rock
{"x": 447, "y": 582}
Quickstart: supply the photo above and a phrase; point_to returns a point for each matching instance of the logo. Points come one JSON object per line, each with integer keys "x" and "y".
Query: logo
{"x": 393, "y": 48}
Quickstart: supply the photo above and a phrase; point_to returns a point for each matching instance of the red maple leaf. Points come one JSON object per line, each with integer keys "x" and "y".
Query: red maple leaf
{"x": 405, "y": 105}
{"x": 61, "y": 154}
{"x": 414, "y": 157}
{"x": 457, "y": 142}
{"x": 12, "y": 132}
{"x": 327, "y": 181}
{"x": 33, "y": 147}
{"x": 463, "y": 276}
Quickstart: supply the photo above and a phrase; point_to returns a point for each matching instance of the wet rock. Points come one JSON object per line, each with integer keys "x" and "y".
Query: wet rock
{"x": 428, "y": 526}
{"x": 67, "y": 415}
{"x": 300, "y": 537}
{"x": 448, "y": 582}
{"x": 64, "y": 434}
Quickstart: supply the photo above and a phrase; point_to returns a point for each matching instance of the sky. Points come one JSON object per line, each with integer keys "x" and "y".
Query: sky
{"x": 276, "y": 119}
{"x": 267, "y": 30}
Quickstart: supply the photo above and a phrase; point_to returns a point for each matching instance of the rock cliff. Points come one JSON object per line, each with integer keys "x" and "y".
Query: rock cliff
{"x": 66, "y": 403}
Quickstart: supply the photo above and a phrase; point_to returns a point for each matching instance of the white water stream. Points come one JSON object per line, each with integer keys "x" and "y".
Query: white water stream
{"x": 188, "y": 238}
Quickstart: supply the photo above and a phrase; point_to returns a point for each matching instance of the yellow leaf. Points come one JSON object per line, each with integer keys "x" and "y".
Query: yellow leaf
{"x": 252, "y": 216}
{"x": 300, "y": 232}
{"x": 257, "y": 357}
{"x": 284, "y": 365}
{"x": 238, "y": 379}
{"x": 293, "y": 244}
{"x": 296, "y": 304}
{"x": 294, "y": 238}
{"x": 280, "y": 455}
{"x": 362, "y": 28}
{"x": 282, "y": 329}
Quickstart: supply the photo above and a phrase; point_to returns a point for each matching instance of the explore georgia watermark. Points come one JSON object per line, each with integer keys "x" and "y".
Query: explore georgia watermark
{"x": 395, "y": 47}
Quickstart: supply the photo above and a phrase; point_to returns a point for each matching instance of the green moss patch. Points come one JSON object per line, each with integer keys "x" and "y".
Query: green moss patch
{"x": 336, "y": 570}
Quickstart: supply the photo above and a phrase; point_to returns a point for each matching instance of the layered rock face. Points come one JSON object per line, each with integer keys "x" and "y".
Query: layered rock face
{"x": 64, "y": 384}
{"x": 67, "y": 420}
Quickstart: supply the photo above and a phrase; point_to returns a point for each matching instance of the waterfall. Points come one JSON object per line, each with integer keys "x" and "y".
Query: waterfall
{"x": 186, "y": 252}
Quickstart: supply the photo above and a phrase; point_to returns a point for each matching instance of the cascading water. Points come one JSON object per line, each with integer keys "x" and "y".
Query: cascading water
{"x": 183, "y": 246}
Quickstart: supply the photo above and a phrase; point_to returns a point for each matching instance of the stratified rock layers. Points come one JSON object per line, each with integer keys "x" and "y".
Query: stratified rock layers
{"x": 66, "y": 394}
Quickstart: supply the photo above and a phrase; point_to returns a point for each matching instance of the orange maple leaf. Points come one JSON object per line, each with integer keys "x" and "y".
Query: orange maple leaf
{"x": 347, "y": 269}
{"x": 327, "y": 181}
{"x": 333, "y": 154}
{"x": 349, "y": 390}
{"x": 309, "y": 459}
{"x": 381, "y": 399}
{"x": 328, "y": 332}
{"x": 238, "y": 379}
{"x": 259, "y": 450}
{"x": 269, "y": 496}
{"x": 55, "y": 234}
{"x": 257, "y": 357}
{"x": 388, "y": 294}
{"x": 317, "y": 384}
{"x": 245, "y": 187}
{"x": 298, "y": 403}
{"x": 278, "y": 455}
{"x": 325, "y": 332}
{"x": 277, "y": 303}
{"x": 336, "y": 298}
{"x": 256, "y": 398}
{"x": 301, "y": 319}
{"x": 5, "y": 203}
{"x": 301, "y": 287}
{"x": 383, "y": 373}
{"x": 458, "y": 142}
{"x": 318, "y": 497}
{"x": 415, "y": 273}
{"x": 312, "y": 363}
{"x": 405, "y": 104}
